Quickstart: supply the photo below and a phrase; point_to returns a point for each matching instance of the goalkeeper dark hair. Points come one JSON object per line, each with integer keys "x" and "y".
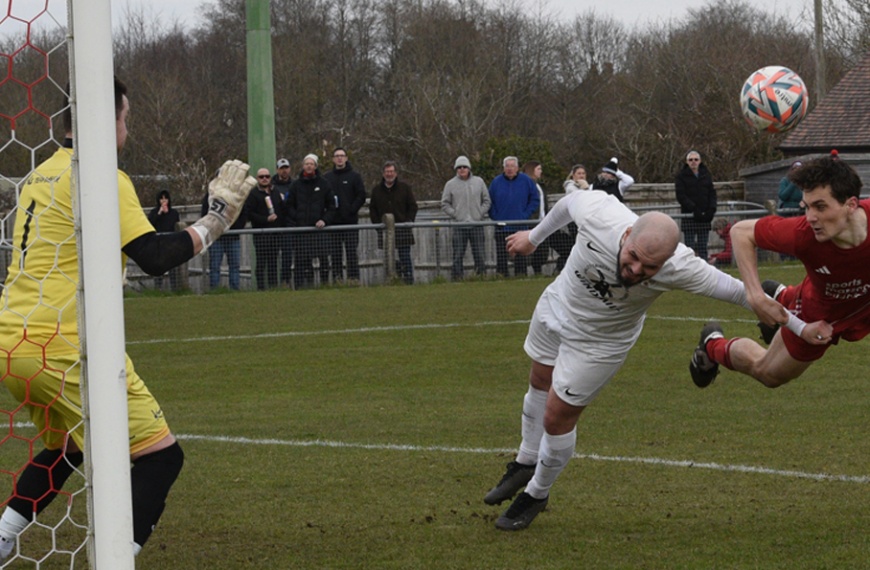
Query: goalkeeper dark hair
{"x": 120, "y": 91}
{"x": 829, "y": 170}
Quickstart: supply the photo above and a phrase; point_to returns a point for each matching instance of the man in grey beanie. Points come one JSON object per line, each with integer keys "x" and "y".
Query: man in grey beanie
{"x": 466, "y": 199}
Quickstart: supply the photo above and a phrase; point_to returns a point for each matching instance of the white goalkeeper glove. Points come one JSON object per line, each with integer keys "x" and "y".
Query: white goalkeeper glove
{"x": 226, "y": 198}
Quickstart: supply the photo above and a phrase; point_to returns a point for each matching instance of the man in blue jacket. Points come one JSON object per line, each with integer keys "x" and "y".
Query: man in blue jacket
{"x": 514, "y": 197}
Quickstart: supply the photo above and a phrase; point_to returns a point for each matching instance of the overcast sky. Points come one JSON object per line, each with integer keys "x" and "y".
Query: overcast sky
{"x": 630, "y": 12}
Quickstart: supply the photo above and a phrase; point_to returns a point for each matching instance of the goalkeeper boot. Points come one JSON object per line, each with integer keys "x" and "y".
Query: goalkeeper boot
{"x": 772, "y": 289}
{"x": 703, "y": 369}
{"x": 515, "y": 478}
{"x": 7, "y": 545}
{"x": 521, "y": 513}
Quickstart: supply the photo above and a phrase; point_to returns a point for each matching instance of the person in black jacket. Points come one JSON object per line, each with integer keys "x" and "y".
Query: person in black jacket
{"x": 350, "y": 195}
{"x": 165, "y": 220}
{"x": 395, "y": 197}
{"x": 310, "y": 203}
{"x": 281, "y": 182}
{"x": 697, "y": 196}
{"x": 262, "y": 208}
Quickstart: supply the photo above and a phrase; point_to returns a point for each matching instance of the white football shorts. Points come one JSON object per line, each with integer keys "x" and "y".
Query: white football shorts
{"x": 581, "y": 367}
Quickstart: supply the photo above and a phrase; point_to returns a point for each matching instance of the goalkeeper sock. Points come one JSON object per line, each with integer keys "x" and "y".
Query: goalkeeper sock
{"x": 556, "y": 452}
{"x": 42, "y": 479}
{"x": 534, "y": 406}
{"x": 11, "y": 525}
{"x": 151, "y": 478}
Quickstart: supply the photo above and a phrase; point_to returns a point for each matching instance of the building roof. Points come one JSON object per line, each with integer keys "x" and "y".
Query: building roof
{"x": 841, "y": 120}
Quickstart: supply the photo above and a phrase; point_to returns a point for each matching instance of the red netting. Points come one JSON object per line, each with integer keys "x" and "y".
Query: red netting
{"x": 33, "y": 72}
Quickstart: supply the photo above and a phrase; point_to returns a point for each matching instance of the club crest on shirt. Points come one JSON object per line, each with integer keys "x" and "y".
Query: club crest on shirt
{"x": 594, "y": 279}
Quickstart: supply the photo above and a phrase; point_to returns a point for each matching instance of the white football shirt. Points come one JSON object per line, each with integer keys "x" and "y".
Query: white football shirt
{"x": 587, "y": 298}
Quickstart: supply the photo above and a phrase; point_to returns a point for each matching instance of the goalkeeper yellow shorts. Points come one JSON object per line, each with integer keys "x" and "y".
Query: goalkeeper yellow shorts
{"x": 49, "y": 388}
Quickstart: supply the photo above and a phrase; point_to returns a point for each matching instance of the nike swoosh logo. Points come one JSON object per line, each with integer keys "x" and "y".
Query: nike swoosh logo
{"x": 568, "y": 392}
{"x": 590, "y": 246}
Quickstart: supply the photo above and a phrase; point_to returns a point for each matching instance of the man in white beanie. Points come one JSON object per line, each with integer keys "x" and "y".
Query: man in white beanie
{"x": 466, "y": 199}
{"x": 310, "y": 204}
{"x": 613, "y": 180}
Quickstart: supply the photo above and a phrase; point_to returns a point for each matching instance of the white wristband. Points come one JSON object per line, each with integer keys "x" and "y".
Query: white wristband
{"x": 204, "y": 236}
{"x": 795, "y": 324}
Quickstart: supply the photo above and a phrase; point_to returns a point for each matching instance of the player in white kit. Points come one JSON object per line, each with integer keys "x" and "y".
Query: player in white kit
{"x": 584, "y": 325}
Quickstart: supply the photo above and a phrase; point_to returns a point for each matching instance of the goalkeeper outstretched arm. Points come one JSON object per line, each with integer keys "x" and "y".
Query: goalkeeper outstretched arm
{"x": 157, "y": 254}
{"x": 226, "y": 198}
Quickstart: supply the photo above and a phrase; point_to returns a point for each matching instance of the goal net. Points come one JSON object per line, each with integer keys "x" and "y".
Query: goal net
{"x": 60, "y": 372}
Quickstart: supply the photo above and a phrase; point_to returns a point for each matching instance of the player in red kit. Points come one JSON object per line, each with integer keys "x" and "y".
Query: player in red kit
{"x": 831, "y": 303}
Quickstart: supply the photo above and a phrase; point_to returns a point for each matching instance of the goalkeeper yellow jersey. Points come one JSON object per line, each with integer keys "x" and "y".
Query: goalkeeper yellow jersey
{"x": 38, "y": 310}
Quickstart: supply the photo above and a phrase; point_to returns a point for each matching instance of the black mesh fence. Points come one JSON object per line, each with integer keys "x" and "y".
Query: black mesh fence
{"x": 371, "y": 255}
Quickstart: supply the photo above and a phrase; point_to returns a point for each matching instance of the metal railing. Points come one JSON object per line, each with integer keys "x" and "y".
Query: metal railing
{"x": 309, "y": 257}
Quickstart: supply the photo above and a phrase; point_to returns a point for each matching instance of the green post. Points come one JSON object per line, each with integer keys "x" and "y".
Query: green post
{"x": 261, "y": 98}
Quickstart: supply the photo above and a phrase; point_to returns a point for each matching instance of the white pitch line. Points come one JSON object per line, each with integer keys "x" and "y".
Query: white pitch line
{"x": 391, "y": 328}
{"x": 479, "y": 450}
{"x": 323, "y": 332}
{"x": 482, "y": 450}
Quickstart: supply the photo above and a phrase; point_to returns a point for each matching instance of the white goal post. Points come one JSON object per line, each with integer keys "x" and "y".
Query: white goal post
{"x": 100, "y": 304}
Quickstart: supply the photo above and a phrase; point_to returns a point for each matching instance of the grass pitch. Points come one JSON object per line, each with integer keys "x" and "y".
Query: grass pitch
{"x": 360, "y": 428}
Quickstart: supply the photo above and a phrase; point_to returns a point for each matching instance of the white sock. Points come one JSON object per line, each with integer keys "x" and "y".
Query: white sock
{"x": 136, "y": 549}
{"x": 12, "y": 523}
{"x": 534, "y": 406}
{"x": 556, "y": 452}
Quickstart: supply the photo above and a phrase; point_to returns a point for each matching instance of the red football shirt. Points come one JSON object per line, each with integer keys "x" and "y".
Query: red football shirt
{"x": 837, "y": 285}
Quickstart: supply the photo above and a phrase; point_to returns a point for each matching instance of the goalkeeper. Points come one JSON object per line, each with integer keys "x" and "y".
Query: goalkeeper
{"x": 39, "y": 332}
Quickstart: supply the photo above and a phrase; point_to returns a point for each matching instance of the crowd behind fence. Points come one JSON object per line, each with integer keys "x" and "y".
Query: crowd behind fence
{"x": 308, "y": 257}
{"x": 298, "y": 258}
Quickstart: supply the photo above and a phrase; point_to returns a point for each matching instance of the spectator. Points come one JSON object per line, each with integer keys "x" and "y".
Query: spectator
{"x": 514, "y": 197}
{"x": 790, "y": 195}
{"x": 697, "y": 196}
{"x": 310, "y": 204}
{"x": 535, "y": 171}
{"x": 350, "y": 196}
{"x": 723, "y": 229}
{"x": 391, "y": 196}
{"x": 228, "y": 245}
{"x": 165, "y": 220}
{"x": 466, "y": 199}
{"x": 576, "y": 180}
{"x": 613, "y": 181}
{"x": 280, "y": 187}
{"x": 263, "y": 216}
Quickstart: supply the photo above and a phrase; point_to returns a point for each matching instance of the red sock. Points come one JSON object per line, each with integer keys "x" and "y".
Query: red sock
{"x": 718, "y": 350}
{"x": 788, "y": 296}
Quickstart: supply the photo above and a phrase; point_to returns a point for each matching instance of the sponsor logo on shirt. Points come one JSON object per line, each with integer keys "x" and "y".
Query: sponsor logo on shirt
{"x": 853, "y": 289}
{"x": 595, "y": 281}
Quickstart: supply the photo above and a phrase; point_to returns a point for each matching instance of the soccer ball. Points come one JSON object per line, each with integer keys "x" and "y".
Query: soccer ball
{"x": 774, "y": 99}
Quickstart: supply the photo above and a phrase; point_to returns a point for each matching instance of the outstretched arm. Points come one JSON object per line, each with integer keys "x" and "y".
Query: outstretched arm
{"x": 746, "y": 254}
{"x": 525, "y": 243}
{"x": 557, "y": 218}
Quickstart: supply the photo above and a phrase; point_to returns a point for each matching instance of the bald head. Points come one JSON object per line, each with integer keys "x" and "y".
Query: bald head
{"x": 649, "y": 243}
{"x": 659, "y": 232}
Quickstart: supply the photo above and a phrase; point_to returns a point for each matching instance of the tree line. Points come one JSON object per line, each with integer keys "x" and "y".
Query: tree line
{"x": 423, "y": 81}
